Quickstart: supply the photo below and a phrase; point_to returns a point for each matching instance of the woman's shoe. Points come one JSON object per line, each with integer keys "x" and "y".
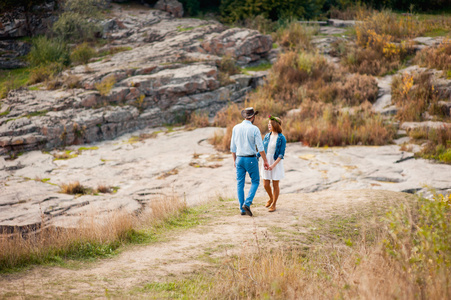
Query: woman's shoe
{"x": 268, "y": 204}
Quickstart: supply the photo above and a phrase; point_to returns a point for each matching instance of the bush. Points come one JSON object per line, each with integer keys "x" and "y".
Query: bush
{"x": 234, "y": 10}
{"x": 45, "y": 72}
{"x": 413, "y": 94}
{"x": 105, "y": 86}
{"x": 78, "y": 21}
{"x": 75, "y": 27}
{"x": 437, "y": 143}
{"x": 197, "y": 120}
{"x": 45, "y": 51}
{"x": 294, "y": 36}
{"x": 418, "y": 240}
{"x": 332, "y": 108}
{"x": 436, "y": 57}
{"x": 82, "y": 54}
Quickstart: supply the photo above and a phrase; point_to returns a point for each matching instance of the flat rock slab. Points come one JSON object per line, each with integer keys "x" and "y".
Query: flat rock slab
{"x": 183, "y": 162}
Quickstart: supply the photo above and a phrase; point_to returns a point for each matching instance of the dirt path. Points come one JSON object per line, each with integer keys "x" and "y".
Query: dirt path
{"x": 222, "y": 232}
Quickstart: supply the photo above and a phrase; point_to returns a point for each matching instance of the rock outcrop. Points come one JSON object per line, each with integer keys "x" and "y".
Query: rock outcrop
{"x": 167, "y": 72}
{"x": 173, "y": 7}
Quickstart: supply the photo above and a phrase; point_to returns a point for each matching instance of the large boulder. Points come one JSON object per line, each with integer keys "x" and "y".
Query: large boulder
{"x": 173, "y": 7}
{"x": 243, "y": 44}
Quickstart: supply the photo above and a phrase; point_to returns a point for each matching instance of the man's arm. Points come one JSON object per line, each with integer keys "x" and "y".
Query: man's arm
{"x": 234, "y": 159}
{"x": 260, "y": 148}
{"x": 265, "y": 160}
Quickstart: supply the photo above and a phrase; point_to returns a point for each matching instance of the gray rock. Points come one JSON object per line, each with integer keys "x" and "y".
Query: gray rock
{"x": 341, "y": 23}
{"x": 173, "y": 7}
{"x": 408, "y": 126}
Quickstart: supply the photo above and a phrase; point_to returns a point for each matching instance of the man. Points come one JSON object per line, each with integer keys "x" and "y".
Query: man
{"x": 246, "y": 141}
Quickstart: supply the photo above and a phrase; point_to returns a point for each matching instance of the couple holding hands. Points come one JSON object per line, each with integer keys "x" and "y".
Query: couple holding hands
{"x": 246, "y": 147}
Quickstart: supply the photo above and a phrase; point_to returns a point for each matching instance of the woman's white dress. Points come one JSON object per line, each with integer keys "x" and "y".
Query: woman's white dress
{"x": 277, "y": 173}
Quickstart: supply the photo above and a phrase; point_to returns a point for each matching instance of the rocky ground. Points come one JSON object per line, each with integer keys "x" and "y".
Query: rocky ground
{"x": 183, "y": 162}
{"x": 169, "y": 71}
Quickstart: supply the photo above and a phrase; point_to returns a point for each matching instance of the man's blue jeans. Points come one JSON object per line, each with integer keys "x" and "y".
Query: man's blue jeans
{"x": 249, "y": 165}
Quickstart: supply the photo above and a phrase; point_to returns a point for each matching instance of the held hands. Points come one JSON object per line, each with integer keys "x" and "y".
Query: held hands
{"x": 266, "y": 165}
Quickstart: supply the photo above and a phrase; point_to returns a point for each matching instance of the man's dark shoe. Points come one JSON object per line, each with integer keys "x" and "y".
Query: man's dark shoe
{"x": 248, "y": 210}
{"x": 243, "y": 213}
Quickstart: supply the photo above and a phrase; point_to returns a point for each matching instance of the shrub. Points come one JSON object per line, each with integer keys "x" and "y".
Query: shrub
{"x": 436, "y": 57}
{"x": 82, "y": 54}
{"x": 45, "y": 51}
{"x": 45, "y": 73}
{"x": 198, "y": 119}
{"x": 437, "y": 143}
{"x": 234, "y": 10}
{"x": 413, "y": 94}
{"x": 227, "y": 67}
{"x": 78, "y": 21}
{"x": 418, "y": 241}
{"x": 105, "y": 86}
{"x": 320, "y": 91}
{"x": 72, "y": 26}
{"x": 294, "y": 36}
{"x": 260, "y": 23}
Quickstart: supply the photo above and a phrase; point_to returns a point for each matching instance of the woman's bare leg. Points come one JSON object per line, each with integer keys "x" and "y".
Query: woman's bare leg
{"x": 275, "y": 184}
{"x": 267, "y": 185}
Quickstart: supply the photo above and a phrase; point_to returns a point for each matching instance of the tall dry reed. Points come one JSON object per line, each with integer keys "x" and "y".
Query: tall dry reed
{"x": 93, "y": 236}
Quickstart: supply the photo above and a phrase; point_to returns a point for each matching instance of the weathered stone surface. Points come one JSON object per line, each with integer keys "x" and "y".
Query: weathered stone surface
{"x": 142, "y": 172}
{"x": 173, "y": 7}
{"x": 341, "y": 23}
{"x": 407, "y": 126}
{"x": 240, "y": 44}
{"x": 156, "y": 80}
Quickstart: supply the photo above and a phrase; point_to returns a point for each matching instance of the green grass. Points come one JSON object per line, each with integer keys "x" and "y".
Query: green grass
{"x": 13, "y": 79}
{"x": 189, "y": 288}
{"x": 37, "y": 114}
{"x": 67, "y": 155}
{"x": 88, "y": 148}
{"x": 5, "y": 113}
{"x": 437, "y": 32}
{"x": 260, "y": 67}
{"x": 182, "y": 29}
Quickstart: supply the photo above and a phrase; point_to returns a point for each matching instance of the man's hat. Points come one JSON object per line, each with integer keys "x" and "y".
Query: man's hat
{"x": 249, "y": 112}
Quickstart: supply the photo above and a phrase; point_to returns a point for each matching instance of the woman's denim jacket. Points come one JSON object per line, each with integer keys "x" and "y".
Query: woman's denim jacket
{"x": 280, "y": 145}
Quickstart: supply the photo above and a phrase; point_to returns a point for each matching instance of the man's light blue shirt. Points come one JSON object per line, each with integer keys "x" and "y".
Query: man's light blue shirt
{"x": 246, "y": 138}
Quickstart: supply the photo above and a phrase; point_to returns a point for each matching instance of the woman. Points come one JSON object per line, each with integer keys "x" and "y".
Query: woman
{"x": 274, "y": 144}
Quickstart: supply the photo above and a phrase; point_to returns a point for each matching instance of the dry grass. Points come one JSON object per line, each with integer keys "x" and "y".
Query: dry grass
{"x": 400, "y": 257}
{"x": 436, "y": 143}
{"x": 74, "y": 188}
{"x": 351, "y": 12}
{"x": 104, "y": 189}
{"x": 333, "y": 108}
{"x": 197, "y": 120}
{"x": 226, "y": 68}
{"x": 436, "y": 57}
{"x": 295, "y": 36}
{"x": 93, "y": 236}
{"x": 413, "y": 94}
{"x": 104, "y": 87}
